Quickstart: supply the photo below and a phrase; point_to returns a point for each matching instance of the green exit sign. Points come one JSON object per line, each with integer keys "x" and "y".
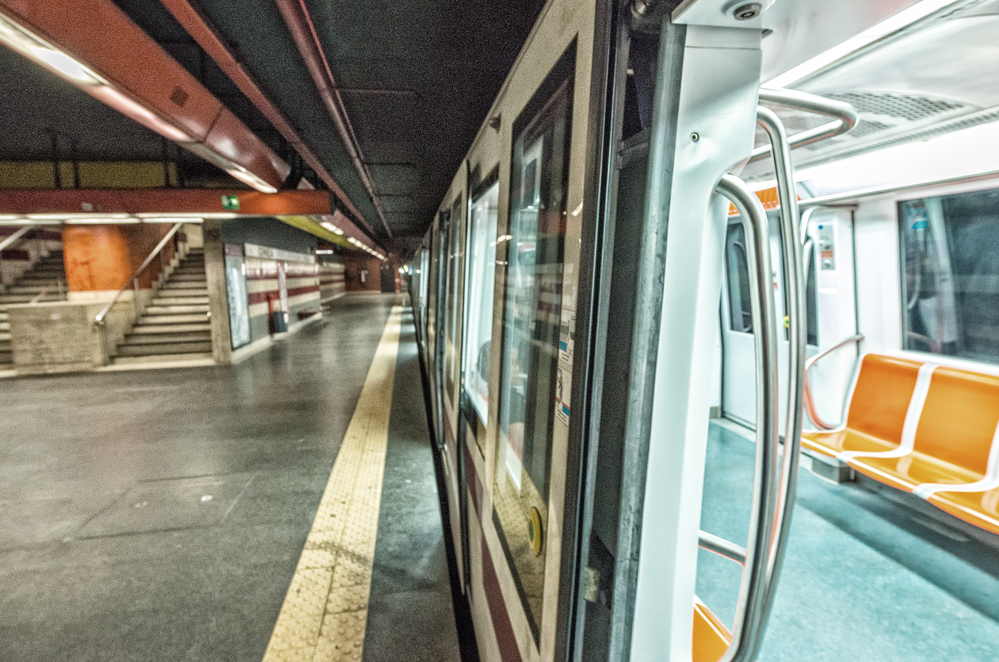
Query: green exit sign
{"x": 230, "y": 202}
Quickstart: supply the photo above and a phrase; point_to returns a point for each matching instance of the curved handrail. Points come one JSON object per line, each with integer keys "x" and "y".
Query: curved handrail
{"x": 797, "y": 348}
{"x": 747, "y": 633}
{"x": 844, "y": 117}
{"x": 9, "y": 241}
{"x": 813, "y": 414}
{"x": 99, "y": 320}
{"x": 722, "y": 547}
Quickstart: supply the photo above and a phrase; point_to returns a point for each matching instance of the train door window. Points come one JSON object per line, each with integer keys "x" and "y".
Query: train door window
{"x": 532, "y": 305}
{"x": 479, "y": 285}
{"x": 740, "y": 314}
{"x": 950, "y": 274}
{"x": 454, "y": 278}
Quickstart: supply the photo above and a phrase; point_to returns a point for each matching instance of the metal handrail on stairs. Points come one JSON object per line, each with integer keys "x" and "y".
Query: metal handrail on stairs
{"x": 8, "y": 242}
{"x": 133, "y": 282}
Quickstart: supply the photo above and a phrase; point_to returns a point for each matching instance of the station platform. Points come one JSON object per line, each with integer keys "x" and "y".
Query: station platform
{"x": 285, "y": 508}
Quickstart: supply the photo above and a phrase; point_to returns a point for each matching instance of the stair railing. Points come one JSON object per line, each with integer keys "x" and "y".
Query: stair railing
{"x": 133, "y": 282}
{"x": 8, "y": 242}
{"x": 57, "y": 283}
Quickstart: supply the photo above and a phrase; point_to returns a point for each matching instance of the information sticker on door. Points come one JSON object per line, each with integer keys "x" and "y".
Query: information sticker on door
{"x": 563, "y": 387}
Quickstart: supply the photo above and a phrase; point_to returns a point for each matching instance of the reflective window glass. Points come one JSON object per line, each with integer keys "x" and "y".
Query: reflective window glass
{"x": 480, "y": 279}
{"x": 532, "y": 305}
{"x": 455, "y": 275}
{"x": 950, "y": 274}
{"x": 740, "y": 313}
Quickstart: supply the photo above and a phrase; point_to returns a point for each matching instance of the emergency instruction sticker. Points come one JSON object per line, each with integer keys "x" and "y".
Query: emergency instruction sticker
{"x": 566, "y": 335}
{"x": 563, "y": 388}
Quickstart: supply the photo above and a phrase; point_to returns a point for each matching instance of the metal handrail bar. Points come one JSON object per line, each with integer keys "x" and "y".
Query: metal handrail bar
{"x": 45, "y": 290}
{"x": 722, "y": 547}
{"x": 9, "y": 241}
{"x": 806, "y": 216}
{"x": 810, "y": 409}
{"x": 133, "y": 279}
{"x": 747, "y": 633}
{"x": 844, "y": 117}
{"x": 797, "y": 349}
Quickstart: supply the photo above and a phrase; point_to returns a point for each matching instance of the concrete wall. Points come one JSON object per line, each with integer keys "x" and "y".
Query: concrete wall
{"x": 362, "y": 273}
{"x": 61, "y": 336}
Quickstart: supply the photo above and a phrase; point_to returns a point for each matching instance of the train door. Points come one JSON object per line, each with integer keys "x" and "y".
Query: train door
{"x": 830, "y": 310}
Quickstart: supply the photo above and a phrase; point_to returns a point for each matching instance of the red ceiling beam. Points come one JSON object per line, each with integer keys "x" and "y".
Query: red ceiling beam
{"x": 296, "y": 17}
{"x": 202, "y": 31}
{"x": 134, "y": 75}
{"x": 164, "y": 201}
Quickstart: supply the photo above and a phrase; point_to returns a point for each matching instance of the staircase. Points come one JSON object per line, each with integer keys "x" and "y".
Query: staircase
{"x": 31, "y": 283}
{"x": 175, "y": 325}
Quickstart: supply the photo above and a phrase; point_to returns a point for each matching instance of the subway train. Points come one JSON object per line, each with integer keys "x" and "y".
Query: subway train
{"x": 709, "y": 321}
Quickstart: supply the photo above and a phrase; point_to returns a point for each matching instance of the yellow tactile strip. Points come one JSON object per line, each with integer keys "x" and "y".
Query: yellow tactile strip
{"x": 325, "y": 612}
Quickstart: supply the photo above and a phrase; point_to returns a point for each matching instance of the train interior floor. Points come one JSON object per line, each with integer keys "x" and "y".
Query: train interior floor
{"x": 229, "y": 512}
{"x": 869, "y": 575}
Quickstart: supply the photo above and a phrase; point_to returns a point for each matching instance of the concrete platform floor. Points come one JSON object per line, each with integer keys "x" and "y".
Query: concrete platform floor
{"x": 159, "y": 515}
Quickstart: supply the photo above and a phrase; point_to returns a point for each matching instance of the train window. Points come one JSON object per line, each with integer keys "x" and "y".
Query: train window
{"x": 455, "y": 276}
{"x": 480, "y": 278}
{"x": 740, "y": 313}
{"x": 949, "y": 249}
{"x": 532, "y": 305}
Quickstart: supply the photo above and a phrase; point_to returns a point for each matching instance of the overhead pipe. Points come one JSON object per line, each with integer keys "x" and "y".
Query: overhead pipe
{"x": 303, "y": 31}
{"x": 216, "y": 47}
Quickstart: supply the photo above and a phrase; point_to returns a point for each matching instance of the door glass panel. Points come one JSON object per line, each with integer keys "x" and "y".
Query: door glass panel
{"x": 454, "y": 278}
{"x": 950, "y": 266}
{"x": 532, "y": 304}
{"x": 481, "y": 277}
{"x": 740, "y": 313}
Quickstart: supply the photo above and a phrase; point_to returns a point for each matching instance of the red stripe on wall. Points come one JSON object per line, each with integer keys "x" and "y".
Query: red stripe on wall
{"x": 295, "y": 291}
{"x": 509, "y": 652}
{"x": 261, "y": 297}
{"x": 16, "y": 255}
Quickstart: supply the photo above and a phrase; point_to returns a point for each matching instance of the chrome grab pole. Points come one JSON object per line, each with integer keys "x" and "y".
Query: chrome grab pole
{"x": 750, "y": 624}
{"x": 813, "y": 413}
{"x": 722, "y": 547}
{"x": 797, "y": 344}
{"x": 844, "y": 117}
{"x": 9, "y": 241}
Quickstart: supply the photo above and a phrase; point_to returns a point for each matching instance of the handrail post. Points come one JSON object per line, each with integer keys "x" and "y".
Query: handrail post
{"x": 747, "y": 634}
{"x": 813, "y": 413}
{"x": 844, "y": 116}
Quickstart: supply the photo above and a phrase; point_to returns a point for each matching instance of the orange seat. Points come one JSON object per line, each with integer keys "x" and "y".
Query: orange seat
{"x": 954, "y": 436}
{"x": 978, "y": 508}
{"x": 711, "y": 637}
{"x": 877, "y": 411}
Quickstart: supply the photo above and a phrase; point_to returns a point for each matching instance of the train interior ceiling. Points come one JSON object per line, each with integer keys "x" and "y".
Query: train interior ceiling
{"x": 893, "y": 550}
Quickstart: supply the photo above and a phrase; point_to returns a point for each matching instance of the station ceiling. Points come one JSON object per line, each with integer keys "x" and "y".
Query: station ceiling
{"x": 416, "y": 78}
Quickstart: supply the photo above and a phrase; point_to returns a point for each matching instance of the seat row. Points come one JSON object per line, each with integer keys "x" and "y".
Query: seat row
{"x": 923, "y": 428}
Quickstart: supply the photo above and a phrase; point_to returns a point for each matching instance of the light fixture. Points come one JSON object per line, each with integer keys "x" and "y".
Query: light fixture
{"x": 102, "y": 220}
{"x": 332, "y": 228}
{"x": 139, "y": 113}
{"x": 187, "y": 216}
{"x": 247, "y": 177}
{"x": 899, "y": 21}
{"x": 63, "y": 217}
{"x": 324, "y": 251}
{"x": 171, "y": 219}
{"x": 63, "y": 64}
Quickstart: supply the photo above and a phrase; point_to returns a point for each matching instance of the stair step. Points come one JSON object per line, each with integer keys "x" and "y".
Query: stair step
{"x": 153, "y": 338}
{"x": 179, "y": 301}
{"x": 8, "y": 299}
{"x": 185, "y": 277}
{"x": 176, "y": 309}
{"x": 173, "y": 319}
{"x": 171, "y": 328}
{"x": 4, "y": 338}
{"x": 25, "y": 289}
{"x": 164, "y": 348}
{"x": 162, "y": 358}
{"x": 186, "y": 285}
{"x": 185, "y": 293}
{"x": 4, "y": 326}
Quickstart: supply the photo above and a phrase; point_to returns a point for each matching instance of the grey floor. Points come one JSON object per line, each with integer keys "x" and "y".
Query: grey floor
{"x": 159, "y": 515}
{"x": 866, "y": 578}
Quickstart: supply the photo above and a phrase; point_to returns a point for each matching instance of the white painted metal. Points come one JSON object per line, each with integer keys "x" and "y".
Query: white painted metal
{"x": 718, "y": 98}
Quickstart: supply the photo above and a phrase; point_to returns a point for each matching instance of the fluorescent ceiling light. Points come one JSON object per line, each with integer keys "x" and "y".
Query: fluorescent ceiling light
{"x": 892, "y": 24}
{"x": 332, "y": 228}
{"x": 171, "y": 220}
{"x": 63, "y": 65}
{"x": 323, "y": 251}
{"x": 247, "y": 177}
{"x": 25, "y": 221}
{"x": 62, "y": 217}
{"x": 104, "y": 220}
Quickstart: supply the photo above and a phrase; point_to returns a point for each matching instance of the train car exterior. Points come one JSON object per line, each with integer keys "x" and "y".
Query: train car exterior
{"x": 636, "y": 258}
